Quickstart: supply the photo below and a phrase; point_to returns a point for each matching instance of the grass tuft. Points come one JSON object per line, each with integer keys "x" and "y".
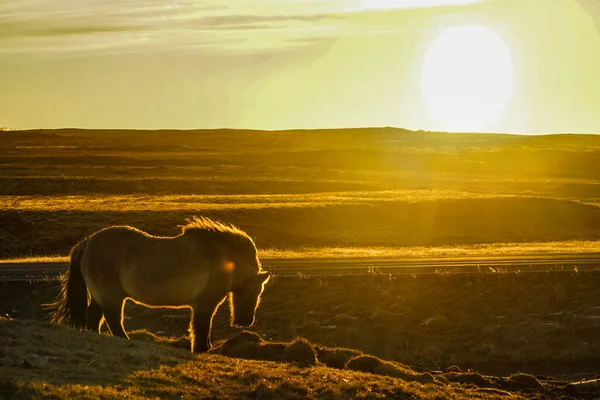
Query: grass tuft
{"x": 252, "y": 346}
{"x": 336, "y": 357}
{"x": 301, "y": 351}
{"x": 523, "y": 381}
{"x": 374, "y": 365}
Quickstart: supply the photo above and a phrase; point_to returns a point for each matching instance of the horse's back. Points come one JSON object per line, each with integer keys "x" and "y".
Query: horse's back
{"x": 150, "y": 269}
{"x": 109, "y": 246}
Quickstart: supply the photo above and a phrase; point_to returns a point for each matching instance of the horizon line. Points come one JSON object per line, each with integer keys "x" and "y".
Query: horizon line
{"x": 8, "y": 129}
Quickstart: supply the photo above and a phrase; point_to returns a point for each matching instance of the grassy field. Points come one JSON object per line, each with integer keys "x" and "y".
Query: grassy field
{"x": 498, "y": 323}
{"x": 318, "y": 194}
{"x": 456, "y": 252}
{"x": 471, "y": 329}
{"x": 106, "y": 367}
{"x": 338, "y": 188}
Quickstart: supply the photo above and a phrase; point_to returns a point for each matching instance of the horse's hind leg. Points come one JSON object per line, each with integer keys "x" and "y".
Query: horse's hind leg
{"x": 94, "y": 316}
{"x": 113, "y": 315}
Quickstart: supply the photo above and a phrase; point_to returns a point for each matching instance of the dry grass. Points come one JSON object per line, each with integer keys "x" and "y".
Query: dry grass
{"x": 200, "y": 203}
{"x": 63, "y": 363}
{"x": 537, "y": 323}
{"x": 37, "y": 259}
{"x": 375, "y": 193}
{"x": 394, "y": 223}
{"x": 575, "y": 247}
{"x": 340, "y": 188}
{"x": 423, "y": 252}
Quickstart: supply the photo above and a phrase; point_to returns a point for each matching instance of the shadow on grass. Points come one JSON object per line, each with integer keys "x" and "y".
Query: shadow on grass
{"x": 36, "y": 351}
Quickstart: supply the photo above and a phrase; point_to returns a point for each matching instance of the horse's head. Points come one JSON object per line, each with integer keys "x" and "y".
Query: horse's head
{"x": 245, "y": 297}
{"x": 239, "y": 266}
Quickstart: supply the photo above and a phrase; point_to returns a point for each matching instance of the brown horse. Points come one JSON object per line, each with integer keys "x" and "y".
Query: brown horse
{"x": 197, "y": 269}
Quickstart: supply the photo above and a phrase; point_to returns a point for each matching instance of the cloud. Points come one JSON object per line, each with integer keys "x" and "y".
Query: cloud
{"x": 218, "y": 26}
{"x": 60, "y": 27}
{"x": 15, "y": 30}
{"x": 252, "y": 19}
{"x": 409, "y": 4}
{"x": 253, "y": 22}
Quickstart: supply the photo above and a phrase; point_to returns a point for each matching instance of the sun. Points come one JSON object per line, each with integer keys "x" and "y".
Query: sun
{"x": 467, "y": 79}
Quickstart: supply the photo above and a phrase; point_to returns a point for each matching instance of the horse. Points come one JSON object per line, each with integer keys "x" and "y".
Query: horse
{"x": 199, "y": 268}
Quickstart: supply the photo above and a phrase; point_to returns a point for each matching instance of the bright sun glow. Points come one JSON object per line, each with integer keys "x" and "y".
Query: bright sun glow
{"x": 467, "y": 78}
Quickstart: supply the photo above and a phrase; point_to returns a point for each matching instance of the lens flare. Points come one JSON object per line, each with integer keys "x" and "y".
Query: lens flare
{"x": 229, "y": 266}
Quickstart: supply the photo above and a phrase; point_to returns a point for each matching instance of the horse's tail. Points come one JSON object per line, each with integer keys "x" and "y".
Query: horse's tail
{"x": 71, "y": 303}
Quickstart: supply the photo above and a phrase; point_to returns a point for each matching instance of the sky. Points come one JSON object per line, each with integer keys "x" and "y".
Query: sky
{"x": 515, "y": 66}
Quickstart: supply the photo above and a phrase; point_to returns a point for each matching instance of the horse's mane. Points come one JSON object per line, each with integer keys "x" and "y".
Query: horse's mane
{"x": 234, "y": 237}
{"x": 205, "y": 224}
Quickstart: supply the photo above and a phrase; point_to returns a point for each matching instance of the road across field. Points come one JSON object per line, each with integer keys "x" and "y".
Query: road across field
{"x": 34, "y": 271}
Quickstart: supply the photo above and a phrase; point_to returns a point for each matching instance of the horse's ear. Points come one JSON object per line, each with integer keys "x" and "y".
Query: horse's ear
{"x": 264, "y": 276}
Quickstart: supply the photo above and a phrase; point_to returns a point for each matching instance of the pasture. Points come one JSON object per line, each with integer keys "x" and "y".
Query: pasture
{"x": 292, "y": 189}
{"x": 322, "y": 194}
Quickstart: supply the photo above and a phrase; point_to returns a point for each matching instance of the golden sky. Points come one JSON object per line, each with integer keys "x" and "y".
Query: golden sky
{"x": 522, "y": 66}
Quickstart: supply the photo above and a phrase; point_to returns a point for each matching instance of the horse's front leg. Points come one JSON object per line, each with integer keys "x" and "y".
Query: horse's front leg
{"x": 200, "y": 325}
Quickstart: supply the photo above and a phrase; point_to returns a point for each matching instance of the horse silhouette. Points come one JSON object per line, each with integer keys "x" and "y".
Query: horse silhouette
{"x": 197, "y": 269}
